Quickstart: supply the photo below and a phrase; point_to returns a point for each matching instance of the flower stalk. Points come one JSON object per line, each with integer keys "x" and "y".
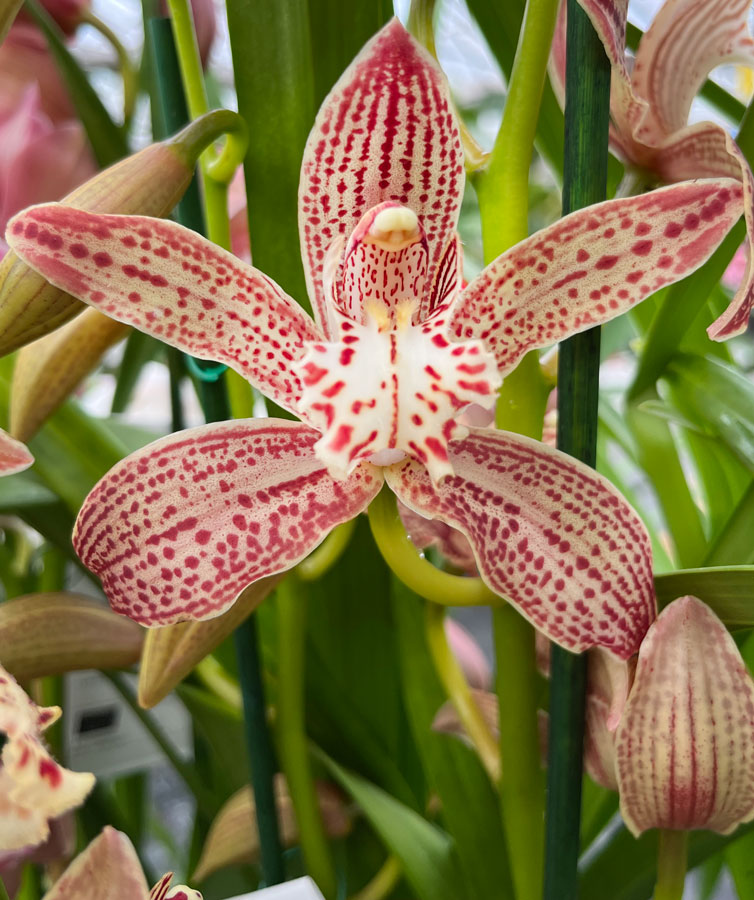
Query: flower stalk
{"x": 585, "y": 180}
{"x": 672, "y": 854}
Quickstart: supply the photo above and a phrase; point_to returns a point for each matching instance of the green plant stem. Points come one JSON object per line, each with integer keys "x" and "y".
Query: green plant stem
{"x": 384, "y": 881}
{"x": 327, "y": 554}
{"x": 522, "y": 796}
{"x": 413, "y": 570}
{"x": 585, "y": 180}
{"x": 671, "y": 865}
{"x": 128, "y": 72}
{"x": 291, "y": 732}
{"x": 457, "y": 689}
{"x": 204, "y": 798}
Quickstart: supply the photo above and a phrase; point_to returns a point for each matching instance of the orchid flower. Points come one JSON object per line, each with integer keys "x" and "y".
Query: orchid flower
{"x": 108, "y": 868}
{"x": 396, "y": 351}
{"x": 14, "y": 456}
{"x": 33, "y": 788}
{"x": 650, "y": 106}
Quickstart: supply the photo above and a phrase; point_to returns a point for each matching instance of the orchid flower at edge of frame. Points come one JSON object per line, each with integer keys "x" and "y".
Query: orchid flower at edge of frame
{"x": 380, "y": 377}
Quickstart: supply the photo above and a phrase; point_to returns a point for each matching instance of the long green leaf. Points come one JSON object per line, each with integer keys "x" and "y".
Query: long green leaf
{"x": 728, "y": 590}
{"x": 734, "y": 544}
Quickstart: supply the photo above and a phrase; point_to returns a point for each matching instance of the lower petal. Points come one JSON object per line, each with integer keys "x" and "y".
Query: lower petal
{"x": 178, "y": 529}
{"x": 549, "y": 534}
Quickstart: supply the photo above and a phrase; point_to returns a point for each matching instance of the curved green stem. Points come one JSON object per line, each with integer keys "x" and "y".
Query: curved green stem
{"x": 128, "y": 72}
{"x": 291, "y": 731}
{"x": 458, "y": 691}
{"x": 188, "y": 57}
{"x": 671, "y": 865}
{"x": 327, "y": 554}
{"x": 383, "y": 882}
{"x": 413, "y": 570}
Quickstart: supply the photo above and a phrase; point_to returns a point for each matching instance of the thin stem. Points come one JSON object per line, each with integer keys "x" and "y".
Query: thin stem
{"x": 327, "y": 554}
{"x": 672, "y": 854}
{"x": 204, "y": 798}
{"x": 458, "y": 691}
{"x": 3, "y": 892}
{"x": 413, "y": 570}
{"x": 522, "y": 796}
{"x": 260, "y": 750}
{"x": 176, "y": 370}
{"x": 383, "y": 882}
{"x": 291, "y": 732}
{"x": 128, "y": 72}
{"x": 188, "y": 56}
{"x": 584, "y": 182}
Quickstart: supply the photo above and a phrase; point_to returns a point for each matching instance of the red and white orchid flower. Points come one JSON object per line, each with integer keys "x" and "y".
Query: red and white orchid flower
{"x": 109, "y": 868}
{"x": 34, "y": 789}
{"x": 650, "y": 106}
{"x": 394, "y": 354}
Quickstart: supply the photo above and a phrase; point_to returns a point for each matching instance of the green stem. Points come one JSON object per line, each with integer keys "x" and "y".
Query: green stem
{"x": 384, "y": 881}
{"x": 204, "y": 798}
{"x": 291, "y": 732}
{"x": 128, "y": 71}
{"x": 261, "y": 755}
{"x": 522, "y": 796}
{"x": 327, "y": 554}
{"x": 671, "y": 865}
{"x": 413, "y": 570}
{"x": 457, "y": 689}
{"x": 584, "y": 182}
{"x": 176, "y": 370}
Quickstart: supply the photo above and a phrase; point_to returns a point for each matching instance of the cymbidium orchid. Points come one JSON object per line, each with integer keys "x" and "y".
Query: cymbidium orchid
{"x": 379, "y": 378}
{"x": 650, "y": 105}
{"x": 34, "y": 789}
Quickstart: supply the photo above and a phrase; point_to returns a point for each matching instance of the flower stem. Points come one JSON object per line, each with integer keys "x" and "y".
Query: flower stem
{"x": 384, "y": 881}
{"x": 413, "y": 570}
{"x": 458, "y": 691}
{"x": 327, "y": 554}
{"x": 128, "y": 72}
{"x": 671, "y": 865}
{"x": 291, "y": 731}
{"x": 585, "y": 179}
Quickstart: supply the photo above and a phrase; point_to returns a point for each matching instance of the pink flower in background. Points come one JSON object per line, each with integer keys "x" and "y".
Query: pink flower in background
{"x": 67, "y": 13}
{"x": 239, "y": 223}
{"x": 469, "y": 654}
{"x": 59, "y": 845}
{"x": 734, "y": 274}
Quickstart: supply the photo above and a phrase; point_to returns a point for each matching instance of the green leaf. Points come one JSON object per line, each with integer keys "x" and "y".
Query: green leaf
{"x": 426, "y": 853}
{"x": 107, "y": 139}
{"x": 140, "y": 349}
{"x": 739, "y": 857}
{"x": 734, "y": 544}
{"x": 728, "y": 590}
{"x": 453, "y": 770}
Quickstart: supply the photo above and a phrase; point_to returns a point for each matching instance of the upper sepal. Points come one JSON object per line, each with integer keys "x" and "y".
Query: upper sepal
{"x": 685, "y": 742}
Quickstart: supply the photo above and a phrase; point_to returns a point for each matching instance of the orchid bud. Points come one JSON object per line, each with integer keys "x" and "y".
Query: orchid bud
{"x": 48, "y": 634}
{"x": 233, "y": 837}
{"x": 150, "y": 182}
{"x": 685, "y": 742}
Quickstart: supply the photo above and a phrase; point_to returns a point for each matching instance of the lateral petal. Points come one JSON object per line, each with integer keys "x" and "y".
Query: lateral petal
{"x": 549, "y": 534}
{"x": 169, "y": 282}
{"x": 386, "y": 131}
{"x": 685, "y": 743}
{"x": 593, "y": 265}
{"x": 178, "y": 529}
{"x": 686, "y": 40}
{"x": 14, "y": 456}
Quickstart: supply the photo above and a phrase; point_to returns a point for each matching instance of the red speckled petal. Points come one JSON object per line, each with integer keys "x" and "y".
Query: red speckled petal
{"x": 385, "y": 132}
{"x": 170, "y": 282}
{"x": 14, "y": 457}
{"x": 686, "y": 40}
{"x": 109, "y": 868}
{"x": 593, "y": 265}
{"x": 178, "y": 529}
{"x": 685, "y": 743}
{"x": 33, "y": 787}
{"x": 549, "y": 534}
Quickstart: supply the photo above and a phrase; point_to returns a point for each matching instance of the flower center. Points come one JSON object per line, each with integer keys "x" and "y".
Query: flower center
{"x": 388, "y": 387}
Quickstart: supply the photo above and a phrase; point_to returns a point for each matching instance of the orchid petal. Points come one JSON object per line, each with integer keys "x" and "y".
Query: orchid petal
{"x": 686, "y": 40}
{"x": 550, "y": 535}
{"x": 434, "y": 533}
{"x": 593, "y": 265}
{"x": 685, "y": 743}
{"x": 109, "y": 867}
{"x": 556, "y": 65}
{"x": 178, "y": 529}
{"x": 170, "y": 282}
{"x": 447, "y": 720}
{"x": 469, "y": 654}
{"x": 163, "y": 891}
{"x": 608, "y": 683}
{"x": 385, "y": 132}
{"x": 14, "y": 457}
{"x": 33, "y": 787}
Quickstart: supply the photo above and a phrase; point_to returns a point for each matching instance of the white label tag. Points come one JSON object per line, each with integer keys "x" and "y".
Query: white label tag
{"x": 300, "y": 889}
{"x": 103, "y": 734}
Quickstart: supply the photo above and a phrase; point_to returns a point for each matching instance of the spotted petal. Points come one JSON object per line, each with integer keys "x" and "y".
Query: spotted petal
{"x": 170, "y": 282}
{"x": 549, "y": 534}
{"x": 593, "y": 265}
{"x": 178, "y": 529}
{"x": 686, "y": 40}
{"x": 685, "y": 743}
{"x": 385, "y": 132}
{"x": 14, "y": 457}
